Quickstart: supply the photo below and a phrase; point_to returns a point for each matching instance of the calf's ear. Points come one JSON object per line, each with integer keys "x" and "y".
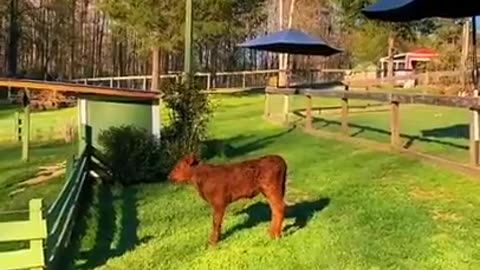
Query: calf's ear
{"x": 192, "y": 160}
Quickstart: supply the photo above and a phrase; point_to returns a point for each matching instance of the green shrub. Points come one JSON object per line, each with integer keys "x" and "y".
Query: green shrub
{"x": 189, "y": 112}
{"x": 133, "y": 154}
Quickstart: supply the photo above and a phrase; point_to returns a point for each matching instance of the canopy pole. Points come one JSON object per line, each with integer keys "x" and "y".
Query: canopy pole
{"x": 476, "y": 126}
{"x": 474, "y": 52}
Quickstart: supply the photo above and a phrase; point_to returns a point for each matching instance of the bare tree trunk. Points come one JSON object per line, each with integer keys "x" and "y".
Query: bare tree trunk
{"x": 155, "y": 69}
{"x": 465, "y": 52}
{"x": 13, "y": 38}
{"x": 391, "y": 44}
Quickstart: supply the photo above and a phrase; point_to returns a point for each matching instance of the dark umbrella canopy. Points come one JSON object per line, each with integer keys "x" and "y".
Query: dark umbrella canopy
{"x": 409, "y": 10}
{"x": 291, "y": 41}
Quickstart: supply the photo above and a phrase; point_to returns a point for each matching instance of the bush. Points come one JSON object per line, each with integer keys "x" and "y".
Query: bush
{"x": 189, "y": 112}
{"x": 133, "y": 154}
{"x": 136, "y": 156}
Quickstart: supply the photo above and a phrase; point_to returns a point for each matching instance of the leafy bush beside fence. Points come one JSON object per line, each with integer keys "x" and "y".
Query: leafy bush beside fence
{"x": 132, "y": 154}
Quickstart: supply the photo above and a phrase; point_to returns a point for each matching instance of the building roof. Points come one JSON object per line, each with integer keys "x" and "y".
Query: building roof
{"x": 80, "y": 89}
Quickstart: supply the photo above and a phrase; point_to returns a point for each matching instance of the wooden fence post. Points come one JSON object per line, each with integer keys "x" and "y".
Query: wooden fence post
{"x": 111, "y": 82}
{"x": 26, "y": 129}
{"x": 36, "y": 245}
{"x": 244, "y": 80}
{"x": 395, "y": 124}
{"x": 266, "y": 112}
{"x": 308, "y": 118}
{"x": 209, "y": 81}
{"x": 17, "y": 127}
{"x": 345, "y": 116}
{"x": 286, "y": 108}
{"x": 474, "y": 139}
{"x": 145, "y": 83}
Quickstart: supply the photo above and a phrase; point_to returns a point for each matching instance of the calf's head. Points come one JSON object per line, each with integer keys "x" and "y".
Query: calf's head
{"x": 182, "y": 170}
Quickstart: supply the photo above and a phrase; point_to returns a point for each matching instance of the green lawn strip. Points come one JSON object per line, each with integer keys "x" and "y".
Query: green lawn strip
{"x": 350, "y": 208}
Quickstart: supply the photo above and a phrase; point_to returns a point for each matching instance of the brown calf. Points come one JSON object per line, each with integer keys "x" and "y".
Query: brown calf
{"x": 221, "y": 185}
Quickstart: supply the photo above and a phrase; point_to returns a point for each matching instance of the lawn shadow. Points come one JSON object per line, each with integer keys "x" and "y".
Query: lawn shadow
{"x": 411, "y": 139}
{"x": 225, "y": 147}
{"x": 460, "y": 131}
{"x": 115, "y": 226}
{"x": 260, "y": 212}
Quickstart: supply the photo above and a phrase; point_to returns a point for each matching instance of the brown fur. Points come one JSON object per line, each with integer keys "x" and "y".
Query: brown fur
{"x": 221, "y": 185}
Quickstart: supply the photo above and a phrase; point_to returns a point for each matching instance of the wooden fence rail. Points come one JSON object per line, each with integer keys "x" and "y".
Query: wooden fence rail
{"x": 55, "y": 229}
{"x": 61, "y": 214}
{"x": 33, "y": 230}
{"x": 394, "y": 99}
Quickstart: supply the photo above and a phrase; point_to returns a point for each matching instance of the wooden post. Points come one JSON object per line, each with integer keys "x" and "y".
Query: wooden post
{"x": 266, "y": 112}
{"x": 286, "y": 109}
{"x": 308, "y": 118}
{"x": 244, "y": 80}
{"x": 86, "y": 82}
{"x": 345, "y": 116}
{"x": 111, "y": 82}
{"x": 26, "y": 130}
{"x": 36, "y": 245}
{"x": 395, "y": 124}
{"x": 17, "y": 131}
{"x": 474, "y": 139}
{"x": 145, "y": 83}
{"x": 209, "y": 81}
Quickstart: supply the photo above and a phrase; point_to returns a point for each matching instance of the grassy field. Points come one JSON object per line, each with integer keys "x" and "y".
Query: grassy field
{"x": 436, "y": 130}
{"x": 48, "y": 151}
{"x": 350, "y": 208}
{"x": 45, "y": 126}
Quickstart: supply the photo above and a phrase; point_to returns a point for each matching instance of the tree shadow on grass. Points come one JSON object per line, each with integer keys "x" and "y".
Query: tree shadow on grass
{"x": 260, "y": 212}
{"x": 460, "y": 131}
{"x": 225, "y": 147}
{"x": 112, "y": 229}
{"x": 410, "y": 138}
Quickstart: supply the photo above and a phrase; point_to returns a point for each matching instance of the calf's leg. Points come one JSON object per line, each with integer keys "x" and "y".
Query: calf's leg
{"x": 277, "y": 206}
{"x": 218, "y": 213}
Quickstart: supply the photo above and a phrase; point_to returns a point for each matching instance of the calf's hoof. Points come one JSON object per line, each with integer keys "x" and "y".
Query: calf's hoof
{"x": 213, "y": 241}
{"x": 275, "y": 235}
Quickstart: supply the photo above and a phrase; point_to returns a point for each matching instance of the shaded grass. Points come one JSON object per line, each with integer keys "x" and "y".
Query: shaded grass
{"x": 14, "y": 171}
{"x": 384, "y": 211}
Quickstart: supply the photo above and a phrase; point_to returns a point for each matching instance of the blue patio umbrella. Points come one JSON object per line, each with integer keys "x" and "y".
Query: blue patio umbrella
{"x": 410, "y": 10}
{"x": 291, "y": 41}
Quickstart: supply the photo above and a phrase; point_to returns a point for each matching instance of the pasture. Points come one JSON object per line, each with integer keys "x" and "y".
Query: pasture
{"x": 46, "y": 149}
{"x": 349, "y": 208}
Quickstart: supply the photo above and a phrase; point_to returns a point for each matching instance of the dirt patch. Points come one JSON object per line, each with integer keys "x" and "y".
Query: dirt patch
{"x": 294, "y": 195}
{"x": 445, "y": 216}
{"x": 45, "y": 174}
{"x": 430, "y": 195}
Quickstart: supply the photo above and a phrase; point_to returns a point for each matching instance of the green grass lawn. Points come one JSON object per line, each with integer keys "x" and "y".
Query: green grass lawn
{"x": 440, "y": 131}
{"x": 14, "y": 171}
{"x": 46, "y": 150}
{"x": 45, "y": 126}
{"x": 350, "y": 208}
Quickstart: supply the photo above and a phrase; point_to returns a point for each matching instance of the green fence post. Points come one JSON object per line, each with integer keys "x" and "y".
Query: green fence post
{"x": 36, "y": 245}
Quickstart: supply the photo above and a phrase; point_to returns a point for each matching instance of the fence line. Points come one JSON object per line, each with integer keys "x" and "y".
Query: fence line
{"x": 262, "y": 78}
{"x": 61, "y": 214}
{"x": 217, "y": 80}
{"x": 394, "y": 99}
